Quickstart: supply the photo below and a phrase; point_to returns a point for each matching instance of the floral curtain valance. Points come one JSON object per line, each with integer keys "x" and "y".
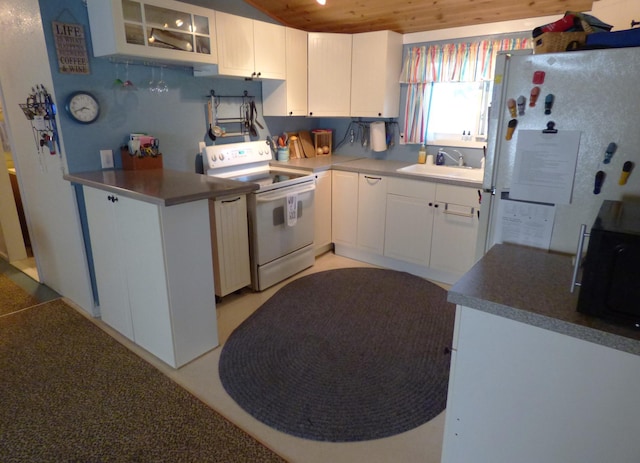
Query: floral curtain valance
{"x": 456, "y": 62}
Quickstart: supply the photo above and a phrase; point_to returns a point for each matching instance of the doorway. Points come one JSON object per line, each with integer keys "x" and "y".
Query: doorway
{"x": 15, "y": 240}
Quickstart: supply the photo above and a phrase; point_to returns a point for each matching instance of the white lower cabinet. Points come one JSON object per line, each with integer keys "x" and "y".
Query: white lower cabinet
{"x": 455, "y": 228}
{"x": 344, "y": 207}
{"x": 145, "y": 258}
{"x": 322, "y": 235}
{"x": 521, "y": 393}
{"x": 409, "y": 220}
{"x": 230, "y": 237}
{"x": 372, "y": 194}
{"x": 425, "y": 228}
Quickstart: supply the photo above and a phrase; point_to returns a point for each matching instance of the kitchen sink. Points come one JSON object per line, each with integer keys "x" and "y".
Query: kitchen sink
{"x": 453, "y": 172}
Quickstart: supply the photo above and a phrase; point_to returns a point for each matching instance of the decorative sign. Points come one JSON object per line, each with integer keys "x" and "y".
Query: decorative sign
{"x": 71, "y": 48}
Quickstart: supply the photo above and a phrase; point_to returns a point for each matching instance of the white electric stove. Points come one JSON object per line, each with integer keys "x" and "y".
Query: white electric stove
{"x": 280, "y": 212}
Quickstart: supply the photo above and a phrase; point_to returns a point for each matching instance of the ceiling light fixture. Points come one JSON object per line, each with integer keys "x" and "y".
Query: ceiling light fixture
{"x": 321, "y": 2}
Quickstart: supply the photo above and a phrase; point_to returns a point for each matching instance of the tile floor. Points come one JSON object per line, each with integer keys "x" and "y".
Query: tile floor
{"x": 200, "y": 377}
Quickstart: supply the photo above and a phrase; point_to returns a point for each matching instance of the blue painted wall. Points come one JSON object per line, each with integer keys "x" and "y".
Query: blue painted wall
{"x": 177, "y": 118}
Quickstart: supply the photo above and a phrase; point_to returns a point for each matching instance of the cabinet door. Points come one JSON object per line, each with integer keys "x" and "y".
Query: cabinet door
{"x": 344, "y": 207}
{"x": 108, "y": 261}
{"x": 455, "y": 229}
{"x": 289, "y": 97}
{"x": 230, "y": 245}
{"x": 329, "y": 74}
{"x": 322, "y": 236}
{"x": 143, "y": 29}
{"x": 375, "y": 67}
{"x": 235, "y": 45}
{"x": 408, "y": 226}
{"x": 144, "y": 266}
{"x": 372, "y": 194}
{"x": 270, "y": 50}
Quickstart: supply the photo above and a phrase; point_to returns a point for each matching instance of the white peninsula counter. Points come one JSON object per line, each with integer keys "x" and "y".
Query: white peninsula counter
{"x": 532, "y": 380}
{"x": 149, "y": 239}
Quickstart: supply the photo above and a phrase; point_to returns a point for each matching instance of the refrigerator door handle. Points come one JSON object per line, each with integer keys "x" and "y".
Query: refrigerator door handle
{"x": 576, "y": 266}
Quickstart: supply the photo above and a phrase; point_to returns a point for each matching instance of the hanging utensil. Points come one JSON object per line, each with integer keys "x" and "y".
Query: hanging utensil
{"x": 210, "y": 117}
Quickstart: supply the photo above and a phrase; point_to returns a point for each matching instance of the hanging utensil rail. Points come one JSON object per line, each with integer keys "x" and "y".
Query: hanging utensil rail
{"x": 245, "y": 113}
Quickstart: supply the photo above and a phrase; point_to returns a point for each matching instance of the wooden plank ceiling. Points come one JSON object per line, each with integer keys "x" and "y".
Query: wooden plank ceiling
{"x": 404, "y": 16}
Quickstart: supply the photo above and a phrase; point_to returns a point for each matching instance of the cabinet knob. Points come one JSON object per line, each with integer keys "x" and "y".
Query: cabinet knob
{"x": 290, "y": 113}
{"x": 259, "y": 74}
{"x": 379, "y": 114}
{"x": 435, "y": 205}
{"x": 253, "y": 74}
{"x": 112, "y": 198}
{"x": 311, "y": 114}
{"x": 430, "y": 204}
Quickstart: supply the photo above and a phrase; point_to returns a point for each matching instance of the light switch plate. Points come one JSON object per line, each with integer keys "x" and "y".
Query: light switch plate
{"x": 106, "y": 159}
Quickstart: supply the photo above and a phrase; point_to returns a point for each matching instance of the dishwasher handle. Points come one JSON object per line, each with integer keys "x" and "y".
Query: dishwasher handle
{"x": 281, "y": 194}
{"x": 576, "y": 266}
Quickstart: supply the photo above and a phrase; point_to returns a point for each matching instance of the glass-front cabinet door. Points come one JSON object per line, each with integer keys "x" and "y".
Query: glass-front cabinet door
{"x": 161, "y": 30}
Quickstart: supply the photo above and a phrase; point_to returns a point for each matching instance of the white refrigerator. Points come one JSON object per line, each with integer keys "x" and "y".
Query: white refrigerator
{"x": 539, "y": 188}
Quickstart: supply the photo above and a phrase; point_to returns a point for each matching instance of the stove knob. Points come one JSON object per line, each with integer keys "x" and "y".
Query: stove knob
{"x": 213, "y": 158}
{"x": 222, "y": 156}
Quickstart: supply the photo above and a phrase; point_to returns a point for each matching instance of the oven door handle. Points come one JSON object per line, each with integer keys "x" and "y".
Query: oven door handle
{"x": 281, "y": 194}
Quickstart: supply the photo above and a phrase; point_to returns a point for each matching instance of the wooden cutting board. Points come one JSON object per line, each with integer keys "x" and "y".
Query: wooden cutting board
{"x": 307, "y": 144}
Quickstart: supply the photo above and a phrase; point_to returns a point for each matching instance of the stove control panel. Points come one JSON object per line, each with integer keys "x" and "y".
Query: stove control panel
{"x": 235, "y": 154}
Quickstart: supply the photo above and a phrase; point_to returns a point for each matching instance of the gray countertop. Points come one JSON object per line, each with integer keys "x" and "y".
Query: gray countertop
{"x": 316, "y": 164}
{"x": 532, "y": 286}
{"x": 389, "y": 168}
{"x": 168, "y": 187}
{"x": 365, "y": 166}
{"x": 161, "y": 186}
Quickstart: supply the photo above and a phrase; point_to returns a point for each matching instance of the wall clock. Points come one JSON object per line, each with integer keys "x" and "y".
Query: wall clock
{"x": 83, "y": 107}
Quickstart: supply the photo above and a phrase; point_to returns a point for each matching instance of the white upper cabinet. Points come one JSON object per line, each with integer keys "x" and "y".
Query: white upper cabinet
{"x": 248, "y": 48}
{"x": 289, "y": 98}
{"x": 160, "y": 30}
{"x": 375, "y": 70}
{"x": 329, "y": 74}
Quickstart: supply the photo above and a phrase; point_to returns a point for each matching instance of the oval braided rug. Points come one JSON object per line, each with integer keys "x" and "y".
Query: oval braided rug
{"x": 343, "y": 355}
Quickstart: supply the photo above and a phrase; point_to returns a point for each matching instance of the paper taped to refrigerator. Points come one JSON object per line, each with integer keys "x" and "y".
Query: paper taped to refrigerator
{"x": 529, "y": 224}
{"x": 545, "y": 166}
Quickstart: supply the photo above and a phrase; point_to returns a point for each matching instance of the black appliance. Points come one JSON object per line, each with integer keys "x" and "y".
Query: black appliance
{"x": 610, "y": 287}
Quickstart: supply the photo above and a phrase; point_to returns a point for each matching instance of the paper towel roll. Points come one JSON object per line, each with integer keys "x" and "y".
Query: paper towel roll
{"x": 378, "y": 136}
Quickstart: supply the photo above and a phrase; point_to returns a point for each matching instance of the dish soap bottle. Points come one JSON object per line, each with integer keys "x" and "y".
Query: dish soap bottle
{"x": 422, "y": 155}
{"x": 440, "y": 157}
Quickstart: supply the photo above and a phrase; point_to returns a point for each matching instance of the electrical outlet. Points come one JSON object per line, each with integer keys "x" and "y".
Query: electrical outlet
{"x": 106, "y": 159}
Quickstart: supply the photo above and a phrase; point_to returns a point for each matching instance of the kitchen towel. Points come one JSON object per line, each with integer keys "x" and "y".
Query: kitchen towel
{"x": 378, "y": 136}
{"x": 292, "y": 209}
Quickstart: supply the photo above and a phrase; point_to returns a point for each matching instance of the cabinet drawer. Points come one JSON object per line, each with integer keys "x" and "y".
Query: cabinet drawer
{"x": 457, "y": 194}
{"x": 411, "y": 188}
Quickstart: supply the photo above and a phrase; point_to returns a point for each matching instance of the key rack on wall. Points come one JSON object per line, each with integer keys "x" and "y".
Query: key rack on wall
{"x": 41, "y": 111}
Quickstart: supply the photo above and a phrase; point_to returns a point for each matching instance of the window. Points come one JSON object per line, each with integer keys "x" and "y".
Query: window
{"x": 449, "y": 88}
{"x": 455, "y": 108}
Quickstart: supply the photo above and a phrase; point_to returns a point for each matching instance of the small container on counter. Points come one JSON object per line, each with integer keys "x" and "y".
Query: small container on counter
{"x": 282, "y": 154}
{"x": 422, "y": 155}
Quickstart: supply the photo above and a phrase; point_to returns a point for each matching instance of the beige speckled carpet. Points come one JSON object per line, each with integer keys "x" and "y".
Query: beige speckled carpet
{"x": 13, "y": 297}
{"x": 70, "y": 392}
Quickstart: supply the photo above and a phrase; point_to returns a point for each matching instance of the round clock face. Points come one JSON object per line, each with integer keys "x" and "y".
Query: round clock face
{"x": 83, "y": 107}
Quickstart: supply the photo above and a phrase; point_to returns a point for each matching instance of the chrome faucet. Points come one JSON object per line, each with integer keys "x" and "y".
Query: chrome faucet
{"x": 459, "y": 162}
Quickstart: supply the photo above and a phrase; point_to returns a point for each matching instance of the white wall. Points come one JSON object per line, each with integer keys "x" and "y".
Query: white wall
{"x": 11, "y": 240}
{"x": 49, "y": 200}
